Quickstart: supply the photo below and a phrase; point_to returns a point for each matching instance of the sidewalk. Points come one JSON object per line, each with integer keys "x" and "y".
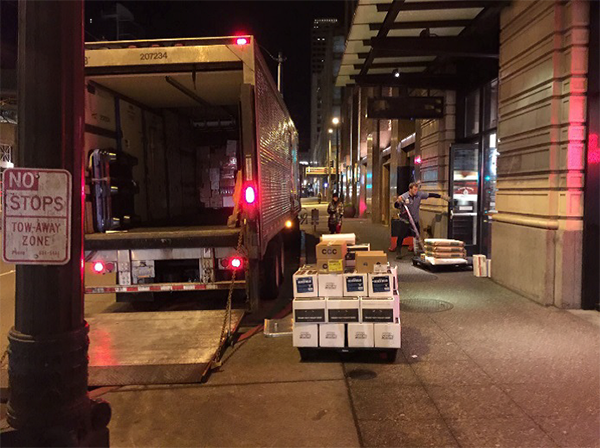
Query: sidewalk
{"x": 492, "y": 370}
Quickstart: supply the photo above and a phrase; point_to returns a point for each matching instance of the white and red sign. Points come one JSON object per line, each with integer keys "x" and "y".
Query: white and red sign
{"x": 36, "y": 222}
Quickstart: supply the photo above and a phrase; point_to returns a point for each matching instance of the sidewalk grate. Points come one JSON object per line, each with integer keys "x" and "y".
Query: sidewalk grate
{"x": 425, "y": 305}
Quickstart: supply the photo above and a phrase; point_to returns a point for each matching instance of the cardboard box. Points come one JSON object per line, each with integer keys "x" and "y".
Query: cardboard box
{"x": 387, "y": 335}
{"x": 331, "y": 250}
{"x": 331, "y": 285}
{"x": 480, "y": 266}
{"x": 306, "y": 282}
{"x": 355, "y": 284}
{"x": 381, "y": 285}
{"x": 386, "y": 310}
{"x": 332, "y": 335}
{"x": 361, "y": 335}
{"x": 351, "y": 250}
{"x": 366, "y": 260}
{"x": 305, "y": 335}
{"x": 309, "y": 310}
{"x": 343, "y": 309}
{"x": 322, "y": 265}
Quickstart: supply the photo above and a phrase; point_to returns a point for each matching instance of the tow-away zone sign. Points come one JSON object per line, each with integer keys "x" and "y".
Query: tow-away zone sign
{"x": 36, "y": 219}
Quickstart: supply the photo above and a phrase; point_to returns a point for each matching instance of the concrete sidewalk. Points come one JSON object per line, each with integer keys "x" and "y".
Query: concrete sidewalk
{"x": 493, "y": 370}
{"x": 480, "y": 366}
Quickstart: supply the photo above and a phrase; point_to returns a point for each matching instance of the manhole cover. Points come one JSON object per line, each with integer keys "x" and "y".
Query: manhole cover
{"x": 424, "y": 305}
{"x": 361, "y": 374}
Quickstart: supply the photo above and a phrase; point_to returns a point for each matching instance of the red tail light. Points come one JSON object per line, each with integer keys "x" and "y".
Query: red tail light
{"x": 98, "y": 267}
{"x": 250, "y": 195}
{"x": 236, "y": 263}
{"x": 241, "y": 41}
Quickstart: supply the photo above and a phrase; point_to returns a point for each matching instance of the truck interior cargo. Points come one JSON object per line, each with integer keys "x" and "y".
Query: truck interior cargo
{"x": 163, "y": 149}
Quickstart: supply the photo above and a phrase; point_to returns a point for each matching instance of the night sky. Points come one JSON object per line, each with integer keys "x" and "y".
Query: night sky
{"x": 278, "y": 26}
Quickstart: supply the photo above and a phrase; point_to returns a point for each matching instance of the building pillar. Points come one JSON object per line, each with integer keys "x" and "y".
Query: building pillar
{"x": 541, "y": 141}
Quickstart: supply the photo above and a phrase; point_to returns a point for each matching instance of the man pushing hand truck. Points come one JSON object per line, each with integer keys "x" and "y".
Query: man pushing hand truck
{"x": 407, "y": 223}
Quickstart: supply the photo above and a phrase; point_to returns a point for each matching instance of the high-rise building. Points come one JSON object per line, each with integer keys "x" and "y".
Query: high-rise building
{"x": 327, "y": 48}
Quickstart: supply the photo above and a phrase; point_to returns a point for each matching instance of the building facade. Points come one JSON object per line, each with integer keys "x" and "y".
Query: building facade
{"x": 514, "y": 142}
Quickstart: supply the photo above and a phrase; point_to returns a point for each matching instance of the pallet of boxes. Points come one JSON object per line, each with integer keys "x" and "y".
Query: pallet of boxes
{"x": 442, "y": 252}
{"x": 348, "y": 301}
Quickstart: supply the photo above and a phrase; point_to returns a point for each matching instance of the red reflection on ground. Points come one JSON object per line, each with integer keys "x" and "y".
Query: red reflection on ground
{"x": 102, "y": 351}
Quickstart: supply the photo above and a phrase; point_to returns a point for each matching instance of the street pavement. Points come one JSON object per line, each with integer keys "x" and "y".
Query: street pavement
{"x": 480, "y": 366}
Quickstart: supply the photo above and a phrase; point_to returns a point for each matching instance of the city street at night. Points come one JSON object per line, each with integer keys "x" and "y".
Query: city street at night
{"x": 337, "y": 223}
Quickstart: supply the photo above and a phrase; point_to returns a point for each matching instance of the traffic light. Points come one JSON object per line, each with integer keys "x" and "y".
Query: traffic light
{"x": 113, "y": 189}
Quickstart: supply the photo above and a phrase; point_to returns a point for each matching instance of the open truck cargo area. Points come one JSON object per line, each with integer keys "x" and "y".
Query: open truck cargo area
{"x": 193, "y": 166}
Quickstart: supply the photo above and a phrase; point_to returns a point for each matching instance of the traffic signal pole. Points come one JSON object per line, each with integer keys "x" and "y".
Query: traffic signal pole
{"x": 48, "y": 345}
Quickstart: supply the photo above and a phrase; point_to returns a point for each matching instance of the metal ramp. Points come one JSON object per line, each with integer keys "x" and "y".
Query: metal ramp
{"x": 167, "y": 347}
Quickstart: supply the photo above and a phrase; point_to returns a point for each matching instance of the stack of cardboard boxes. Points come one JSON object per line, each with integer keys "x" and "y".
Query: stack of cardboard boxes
{"x": 346, "y": 301}
{"x": 218, "y": 167}
{"x": 440, "y": 251}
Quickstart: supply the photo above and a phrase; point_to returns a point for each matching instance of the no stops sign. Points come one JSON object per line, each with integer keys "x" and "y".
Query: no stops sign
{"x": 36, "y": 218}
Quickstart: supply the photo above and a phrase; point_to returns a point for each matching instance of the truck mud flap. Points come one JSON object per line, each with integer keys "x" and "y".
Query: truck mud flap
{"x": 168, "y": 347}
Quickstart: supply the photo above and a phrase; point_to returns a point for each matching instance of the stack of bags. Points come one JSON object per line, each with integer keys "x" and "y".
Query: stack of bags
{"x": 440, "y": 251}
{"x": 348, "y": 308}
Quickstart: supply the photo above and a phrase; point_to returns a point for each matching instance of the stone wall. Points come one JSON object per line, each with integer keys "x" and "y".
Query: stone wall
{"x": 537, "y": 233}
{"x": 433, "y": 141}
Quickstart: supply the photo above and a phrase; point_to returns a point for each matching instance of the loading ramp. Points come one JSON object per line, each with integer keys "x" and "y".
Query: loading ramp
{"x": 166, "y": 347}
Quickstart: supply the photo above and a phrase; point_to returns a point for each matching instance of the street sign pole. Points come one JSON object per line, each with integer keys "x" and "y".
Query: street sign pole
{"x": 48, "y": 345}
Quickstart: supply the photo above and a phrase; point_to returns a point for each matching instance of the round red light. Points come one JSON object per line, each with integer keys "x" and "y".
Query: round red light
{"x": 98, "y": 266}
{"x": 236, "y": 263}
{"x": 225, "y": 262}
{"x": 241, "y": 41}
{"x": 250, "y": 195}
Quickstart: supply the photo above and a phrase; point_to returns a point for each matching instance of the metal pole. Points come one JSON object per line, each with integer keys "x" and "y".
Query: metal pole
{"x": 48, "y": 346}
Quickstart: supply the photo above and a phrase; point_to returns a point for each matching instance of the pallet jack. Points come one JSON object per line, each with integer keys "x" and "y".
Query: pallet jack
{"x": 419, "y": 248}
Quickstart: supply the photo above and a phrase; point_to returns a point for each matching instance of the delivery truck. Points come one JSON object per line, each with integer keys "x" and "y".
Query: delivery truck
{"x": 192, "y": 169}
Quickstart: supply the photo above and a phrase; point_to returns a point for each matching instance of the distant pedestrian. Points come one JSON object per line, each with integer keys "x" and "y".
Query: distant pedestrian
{"x": 335, "y": 209}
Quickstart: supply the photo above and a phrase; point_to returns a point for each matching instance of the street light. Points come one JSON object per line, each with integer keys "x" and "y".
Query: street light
{"x": 336, "y": 122}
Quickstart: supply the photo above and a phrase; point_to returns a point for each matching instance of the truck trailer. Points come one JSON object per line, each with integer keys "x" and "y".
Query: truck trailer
{"x": 192, "y": 169}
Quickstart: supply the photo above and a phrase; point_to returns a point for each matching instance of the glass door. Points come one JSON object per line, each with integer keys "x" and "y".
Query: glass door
{"x": 464, "y": 194}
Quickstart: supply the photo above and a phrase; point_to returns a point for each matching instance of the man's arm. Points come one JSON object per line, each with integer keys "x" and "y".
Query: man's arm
{"x": 444, "y": 196}
{"x": 401, "y": 198}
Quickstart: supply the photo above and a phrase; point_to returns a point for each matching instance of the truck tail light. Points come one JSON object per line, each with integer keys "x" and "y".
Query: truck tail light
{"x": 289, "y": 224}
{"x": 241, "y": 41}
{"x": 101, "y": 267}
{"x": 98, "y": 267}
{"x": 250, "y": 195}
{"x": 236, "y": 263}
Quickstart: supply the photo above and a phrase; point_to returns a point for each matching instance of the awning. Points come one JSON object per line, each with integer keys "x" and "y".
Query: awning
{"x": 415, "y": 42}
